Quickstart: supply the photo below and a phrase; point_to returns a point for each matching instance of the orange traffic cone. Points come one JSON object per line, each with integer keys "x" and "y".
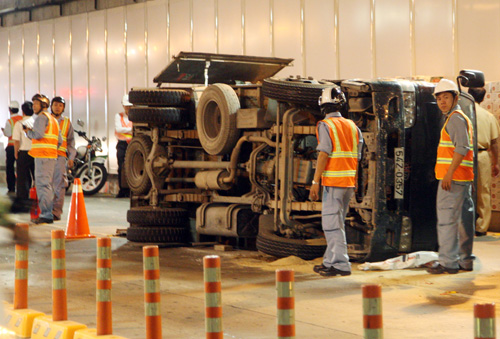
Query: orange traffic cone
{"x": 78, "y": 225}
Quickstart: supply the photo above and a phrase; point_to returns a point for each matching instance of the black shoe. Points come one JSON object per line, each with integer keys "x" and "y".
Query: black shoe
{"x": 461, "y": 268}
{"x": 42, "y": 221}
{"x": 441, "y": 270}
{"x": 332, "y": 272}
{"x": 480, "y": 234}
{"x": 56, "y": 218}
{"x": 318, "y": 268}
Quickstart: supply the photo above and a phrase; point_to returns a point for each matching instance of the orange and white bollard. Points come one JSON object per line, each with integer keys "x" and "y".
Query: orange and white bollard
{"x": 59, "y": 296}
{"x": 21, "y": 274}
{"x": 104, "y": 316}
{"x": 285, "y": 303}
{"x": 152, "y": 292}
{"x": 484, "y": 321}
{"x": 372, "y": 311}
{"x": 213, "y": 302}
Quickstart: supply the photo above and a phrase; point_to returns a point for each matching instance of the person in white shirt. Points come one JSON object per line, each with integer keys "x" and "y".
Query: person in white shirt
{"x": 25, "y": 162}
{"x": 123, "y": 132}
{"x": 9, "y": 150}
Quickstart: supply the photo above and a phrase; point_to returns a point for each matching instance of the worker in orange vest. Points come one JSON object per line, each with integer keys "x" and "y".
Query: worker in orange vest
{"x": 339, "y": 142}
{"x": 123, "y": 132}
{"x": 455, "y": 172}
{"x": 9, "y": 150}
{"x": 45, "y": 139}
{"x": 65, "y": 155}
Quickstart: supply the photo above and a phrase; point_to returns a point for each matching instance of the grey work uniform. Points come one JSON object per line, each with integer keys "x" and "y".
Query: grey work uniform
{"x": 455, "y": 207}
{"x": 44, "y": 169}
{"x": 61, "y": 170}
{"x": 335, "y": 207}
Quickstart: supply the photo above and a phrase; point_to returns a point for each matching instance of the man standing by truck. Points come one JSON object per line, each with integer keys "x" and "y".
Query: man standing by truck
{"x": 339, "y": 140}
{"x": 455, "y": 172}
{"x": 123, "y": 132}
{"x": 45, "y": 139}
{"x": 66, "y": 153}
{"x": 9, "y": 150}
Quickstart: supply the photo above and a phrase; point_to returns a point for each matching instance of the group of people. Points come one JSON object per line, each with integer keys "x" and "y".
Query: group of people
{"x": 43, "y": 144}
{"x": 339, "y": 144}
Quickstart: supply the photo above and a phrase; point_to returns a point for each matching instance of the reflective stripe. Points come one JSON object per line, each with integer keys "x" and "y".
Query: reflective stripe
{"x": 46, "y": 147}
{"x": 58, "y": 244}
{"x": 104, "y": 252}
{"x": 151, "y": 286}
{"x": 484, "y": 328}
{"x": 284, "y": 289}
{"x": 58, "y": 264}
{"x": 213, "y": 325}
{"x": 12, "y": 121}
{"x": 64, "y": 127}
{"x": 152, "y": 309}
{"x": 372, "y": 306}
{"x": 58, "y": 283}
{"x": 103, "y": 295}
{"x": 21, "y": 255}
{"x": 103, "y": 273}
{"x": 212, "y": 274}
{"x": 212, "y": 299}
{"x": 376, "y": 333}
{"x": 286, "y": 317}
{"x": 21, "y": 273}
{"x": 151, "y": 263}
{"x": 124, "y": 136}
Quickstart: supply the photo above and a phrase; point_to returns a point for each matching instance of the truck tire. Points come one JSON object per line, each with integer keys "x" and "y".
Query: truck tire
{"x": 216, "y": 119}
{"x": 159, "y": 97}
{"x": 270, "y": 243}
{"x": 157, "y": 234}
{"x": 157, "y": 115}
{"x": 151, "y": 216}
{"x": 294, "y": 91}
{"x": 135, "y": 164}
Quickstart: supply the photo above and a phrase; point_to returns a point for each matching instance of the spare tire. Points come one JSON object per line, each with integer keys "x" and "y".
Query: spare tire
{"x": 157, "y": 115}
{"x": 216, "y": 119}
{"x": 296, "y": 91}
{"x": 154, "y": 216}
{"x": 157, "y": 234}
{"x": 159, "y": 97}
{"x": 135, "y": 164}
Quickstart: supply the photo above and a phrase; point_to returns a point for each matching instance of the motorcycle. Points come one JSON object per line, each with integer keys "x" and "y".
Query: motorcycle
{"x": 87, "y": 166}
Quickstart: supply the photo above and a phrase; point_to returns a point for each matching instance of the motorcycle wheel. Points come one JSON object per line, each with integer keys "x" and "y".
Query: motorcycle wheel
{"x": 91, "y": 184}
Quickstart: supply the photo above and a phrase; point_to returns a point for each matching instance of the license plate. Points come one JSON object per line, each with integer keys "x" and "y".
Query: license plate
{"x": 399, "y": 172}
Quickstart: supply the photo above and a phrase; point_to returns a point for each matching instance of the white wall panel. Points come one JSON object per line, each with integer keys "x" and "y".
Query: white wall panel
{"x": 434, "y": 38}
{"x": 97, "y": 76}
{"x": 63, "y": 61}
{"x": 204, "y": 26}
{"x": 478, "y": 31}
{"x": 257, "y": 30}
{"x": 180, "y": 27}
{"x": 157, "y": 38}
{"x": 116, "y": 74}
{"x": 16, "y": 63}
{"x": 30, "y": 60}
{"x": 136, "y": 49}
{"x": 287, "y": 35}
{"x": 4, "y": 84}
{"x": 321, "y": 59}
{"x": 46, "y": 58}
{"x": 392, "y": 27}
{"x": 354, "y": 39}
{"x": 79, "y": 69}
{"x": 230, "y": 34}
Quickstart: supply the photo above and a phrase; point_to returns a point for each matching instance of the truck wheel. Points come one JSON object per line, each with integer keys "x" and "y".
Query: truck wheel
{"x": 154, "y": 216}
{"x": 216, "y": 119}
{"x": 157, "y": 234}
{"x": 159, "y": 97}
{"x": 297, "y": 91}
{"x": 135, "y": 164}
{"x": 157, "y": 115}
{"x": 270, "y": 243}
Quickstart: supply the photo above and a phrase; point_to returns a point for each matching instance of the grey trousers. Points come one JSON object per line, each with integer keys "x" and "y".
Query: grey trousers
{"x": 455, "y": 229}
{"x": 44, "y": 176}
{"x": 334, "y": 211}
{"x": 60, "y": 184}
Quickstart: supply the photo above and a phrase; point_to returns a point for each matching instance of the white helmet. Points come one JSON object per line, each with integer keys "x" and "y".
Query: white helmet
{"x": 445, "y": 85}
{"x": 332, "y": 95}
{"x": 14, "y": 104}
{"x": 125, "y": 101}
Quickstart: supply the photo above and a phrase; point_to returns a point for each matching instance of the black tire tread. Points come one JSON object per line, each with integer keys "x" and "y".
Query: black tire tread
{"x": 157, "y": 115}
{"x": 145, "y": 185}
{"x": 150, "y": 216}
{"x": 294, "y": 92}
{"x": 157, "y": 234}
{"x": 159, "y": 97}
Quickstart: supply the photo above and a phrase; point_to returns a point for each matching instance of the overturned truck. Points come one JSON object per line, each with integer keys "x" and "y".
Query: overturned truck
{"x": 222, "y": 149}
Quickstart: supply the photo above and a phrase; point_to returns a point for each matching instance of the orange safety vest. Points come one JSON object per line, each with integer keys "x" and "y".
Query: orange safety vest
{"x": 12, "y": 121}
{"x": 64, "y": 128}
{"x": 342, "y": 162}
{"x": 446, "y": 149}
{"x": 46, "y": 147}
{"x": 124, "y": 136}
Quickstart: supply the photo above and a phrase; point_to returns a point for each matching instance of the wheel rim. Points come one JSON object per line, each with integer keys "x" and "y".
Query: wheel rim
{"x": 212, "y": 120}
{"x": 138, "y": 168}
{"x": 90, "y": 183}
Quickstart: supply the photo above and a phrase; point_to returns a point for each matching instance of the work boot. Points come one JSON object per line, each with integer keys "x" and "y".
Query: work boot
{"x": 42, "y": 221}
{"x": 441, "y": 270}
{"x": 319, "y": 268}
{"x": 332, "y": 272}
{"x": 461, "y": 268}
